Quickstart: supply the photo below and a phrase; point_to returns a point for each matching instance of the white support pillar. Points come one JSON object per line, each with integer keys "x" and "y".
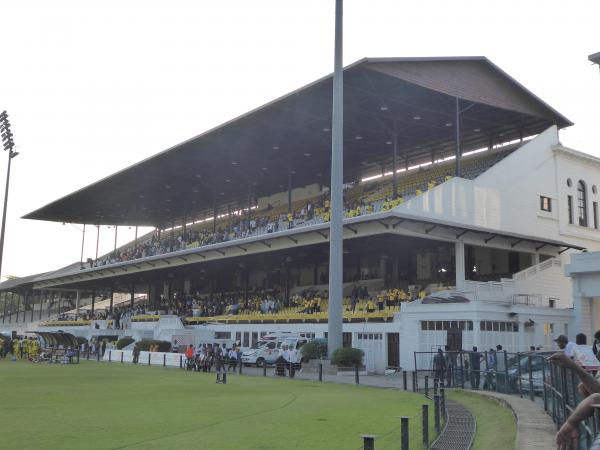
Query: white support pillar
{"x": 582, "y": 311}
{"x": 535, "y": 259}
{"x": 77, "y": 298}
{"x": 459, "y": 256}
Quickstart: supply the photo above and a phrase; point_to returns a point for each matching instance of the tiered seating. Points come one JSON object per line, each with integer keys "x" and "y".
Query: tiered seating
{"x": 360, "y": 199}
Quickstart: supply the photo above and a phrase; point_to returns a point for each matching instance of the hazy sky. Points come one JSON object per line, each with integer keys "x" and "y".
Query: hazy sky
{"x": 94, "y": 86}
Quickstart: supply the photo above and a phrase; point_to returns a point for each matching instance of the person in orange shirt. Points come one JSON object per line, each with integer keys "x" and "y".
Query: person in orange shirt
{"x": 189, "y": 354}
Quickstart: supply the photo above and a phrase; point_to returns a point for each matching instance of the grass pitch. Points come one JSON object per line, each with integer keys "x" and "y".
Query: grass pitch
{"x": 109, "y": 406}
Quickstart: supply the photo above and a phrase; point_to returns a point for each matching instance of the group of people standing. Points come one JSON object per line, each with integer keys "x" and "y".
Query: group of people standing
{"x": 450, "y": 366}
{"x": 205, "y": 356}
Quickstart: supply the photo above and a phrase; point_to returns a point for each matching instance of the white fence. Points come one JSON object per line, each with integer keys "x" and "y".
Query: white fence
{"x": 146, "y": 358}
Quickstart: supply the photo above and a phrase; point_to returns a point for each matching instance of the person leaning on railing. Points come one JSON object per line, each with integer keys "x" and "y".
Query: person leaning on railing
{"x": 589, "y": 384}
{"x": 567, "y": 436}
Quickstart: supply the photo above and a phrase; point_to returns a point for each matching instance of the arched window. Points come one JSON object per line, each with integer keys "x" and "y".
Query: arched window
{"x": 582, "y": 203}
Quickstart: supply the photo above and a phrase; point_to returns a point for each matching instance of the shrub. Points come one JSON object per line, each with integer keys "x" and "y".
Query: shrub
{"x": 347, "y": 357}
{"x": 124, "y": 342}
{"x": 315, "y": 349}
{"x": 154, "y": 346}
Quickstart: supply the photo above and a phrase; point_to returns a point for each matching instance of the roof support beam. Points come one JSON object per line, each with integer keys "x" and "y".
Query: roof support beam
{"x": 490, "y": 238}
{"x": 219, "y": 251}
{"x": 398, "y": 223}
{"x": 539, "y": 247}
{"x": 265, "y": 244}
{"x": 429, "y": 230}
{"x": 295, "y": 241}
{"x": 242, "y": 248}
{"x": 183, "y": 259}
{"x": 324, "y": 235}
{"x": 355, "y": 231}
{"x": 512, "y": 244}
{"x": 385, "y": 225}
{"x": 462, "y": 233}
{"x": 563, "y": 250}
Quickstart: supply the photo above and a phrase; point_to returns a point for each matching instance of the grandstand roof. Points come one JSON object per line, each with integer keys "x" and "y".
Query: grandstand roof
{"x": 253, "y": 152}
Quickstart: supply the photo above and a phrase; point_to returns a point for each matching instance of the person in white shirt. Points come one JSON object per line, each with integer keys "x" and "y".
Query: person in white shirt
{"x": 563, "y": 343}
{"x": 232, "y": 354}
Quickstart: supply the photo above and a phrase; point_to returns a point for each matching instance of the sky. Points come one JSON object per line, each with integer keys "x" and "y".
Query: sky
{"x": 92, "y": 87}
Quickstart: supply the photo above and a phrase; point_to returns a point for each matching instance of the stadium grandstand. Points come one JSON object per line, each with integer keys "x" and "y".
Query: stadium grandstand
{"x": 458, "y": 208}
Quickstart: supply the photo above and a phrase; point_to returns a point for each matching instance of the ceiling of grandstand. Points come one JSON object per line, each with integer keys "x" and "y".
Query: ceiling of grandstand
{"x": 255, "y": 153}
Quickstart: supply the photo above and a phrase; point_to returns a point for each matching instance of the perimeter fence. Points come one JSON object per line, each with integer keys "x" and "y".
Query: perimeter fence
{"x": 526, "y": 375}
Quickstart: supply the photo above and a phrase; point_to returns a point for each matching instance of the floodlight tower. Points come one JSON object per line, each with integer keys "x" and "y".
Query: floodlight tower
{"x": 8, "y": 144}
{"x": 334, "y": 324}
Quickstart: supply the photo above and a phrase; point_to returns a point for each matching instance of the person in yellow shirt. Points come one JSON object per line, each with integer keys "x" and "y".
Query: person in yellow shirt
{"x": 370, "y": 306}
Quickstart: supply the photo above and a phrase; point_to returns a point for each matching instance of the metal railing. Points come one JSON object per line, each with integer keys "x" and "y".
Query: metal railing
{"x": 527, "y": 375}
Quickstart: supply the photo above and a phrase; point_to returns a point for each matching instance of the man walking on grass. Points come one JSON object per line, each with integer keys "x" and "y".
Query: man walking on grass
{"x": 219, "y": 362}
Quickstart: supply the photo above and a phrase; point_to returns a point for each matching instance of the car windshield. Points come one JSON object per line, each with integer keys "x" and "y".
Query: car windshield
{"x": 259, "y": 344}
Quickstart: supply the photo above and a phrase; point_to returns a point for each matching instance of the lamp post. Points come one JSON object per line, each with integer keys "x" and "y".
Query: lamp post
{"x": 336, "y": 237}
{"x": 8, "y": 144}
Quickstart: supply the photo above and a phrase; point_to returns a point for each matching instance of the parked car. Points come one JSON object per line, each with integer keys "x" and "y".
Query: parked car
{"x": 538, "y": 360}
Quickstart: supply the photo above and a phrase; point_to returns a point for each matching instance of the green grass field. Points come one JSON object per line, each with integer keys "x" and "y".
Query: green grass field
{"x": 496, "y": 427}
{"x": 101, "y": 406}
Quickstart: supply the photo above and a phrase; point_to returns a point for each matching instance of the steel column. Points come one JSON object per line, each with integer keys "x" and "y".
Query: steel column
{"x": 289, "y": 189}
{"x": 82, "y": 245}
{"x": 97, "y": 243}
{"x": 5, "y": 302}
{"x": 457, "y": 137}
{"x": 116, "y": 230}
{"x": 394, "y": 162}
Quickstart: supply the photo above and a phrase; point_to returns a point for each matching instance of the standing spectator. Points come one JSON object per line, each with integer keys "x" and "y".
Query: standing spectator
{"x": 563, "y": 343}
{"x": 475, "y": 362}
{"x": 439, "y": 366}
{"x": 490, "y": 370}
{"x": 581, "y": 339}
{"x": 450, "y": 366}
{"x": 219, "y": 367}
{"x": 189, "y": 357}
{"x": 500, "y": 368}
{"x": 232, "y": 359}
{"x": 595, "y": 347}
{"x": 103, "y": 348}
{"x": 136, "y": 353}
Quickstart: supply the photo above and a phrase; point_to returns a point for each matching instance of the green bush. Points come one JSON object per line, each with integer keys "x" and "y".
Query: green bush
{"x": 347, "y": 357}
{"x": 154, "y": 346}
{"x": 315, "y": 349}
{"x": 124, "y": 342}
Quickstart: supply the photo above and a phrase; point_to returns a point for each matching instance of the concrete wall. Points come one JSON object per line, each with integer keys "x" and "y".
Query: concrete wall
{"x": 506, "y": 197}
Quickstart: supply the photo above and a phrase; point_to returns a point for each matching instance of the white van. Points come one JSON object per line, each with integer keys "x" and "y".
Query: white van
{"x": 266, "y": 351}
